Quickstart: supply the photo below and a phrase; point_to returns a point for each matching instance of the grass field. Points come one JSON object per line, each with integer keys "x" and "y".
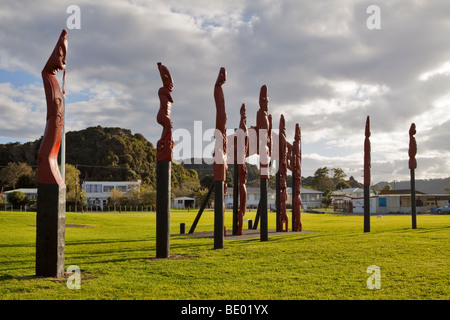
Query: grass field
{"x": 116, "y": 255}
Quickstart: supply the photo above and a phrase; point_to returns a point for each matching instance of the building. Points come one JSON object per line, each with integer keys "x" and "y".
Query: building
{"x": 351, "y": 200}
{"x": 391, "y": 201}
{"x": 98, "y": 192}
{"x": 399, "y": 201}
{"x": 30, "y": 193}
{"x": 310, "y": 198}
{"x": 183, "y": 203}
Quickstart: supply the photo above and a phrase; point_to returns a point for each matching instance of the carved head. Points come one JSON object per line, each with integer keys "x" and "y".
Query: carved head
{"x": 368, "y": 127}
{"x": 57, "y": 60}
{"x": 264, "y": 98}
{"x": 297, "y": 132}
{"x": 222, "y": 77}
{"x": 412, "y": 129}
{"x": 165, "y": 76}
{"x": 243, "y": 112}
{"x": 282, "y": 126}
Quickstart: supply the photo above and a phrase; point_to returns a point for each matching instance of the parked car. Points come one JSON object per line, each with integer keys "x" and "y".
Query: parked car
{"x": 445, "y": 209}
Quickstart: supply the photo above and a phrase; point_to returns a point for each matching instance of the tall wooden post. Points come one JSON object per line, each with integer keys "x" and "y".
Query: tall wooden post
{"x": 220, "y": 159}
{"x": 218, "y": 214}
{"x": 367, "y": 163}
{"x": 51, "y": 201}
{"x": 264, "y": 229}
{"x": 163, "y": 173}
{"x": 164, "y": 154}
{"x": 412, "y": 166}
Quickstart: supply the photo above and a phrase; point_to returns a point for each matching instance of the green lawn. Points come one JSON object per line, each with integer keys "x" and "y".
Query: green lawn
{"x": 116, "y": 254}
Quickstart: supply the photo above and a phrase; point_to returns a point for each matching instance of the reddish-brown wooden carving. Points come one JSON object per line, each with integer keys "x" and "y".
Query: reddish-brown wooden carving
{"x": 284, "y": 220}
{"x": 220, "y": 150}
{"x": 296, "y": 150}
{"x": 262, "y": 129}
{"x": 48, "y": 170}
{"x": 412, "y": 147}
{"x": 242, "y": 170}
{"x": 164, "y": 146}
{"x": 367, "y": 154}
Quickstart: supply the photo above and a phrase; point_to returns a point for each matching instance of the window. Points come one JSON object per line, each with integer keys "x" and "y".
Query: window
{"x": 180, "y": 201}
{"x": 108, "y": 188}
{"x": 93, "y": 188}
{"x": 121, "y": 188}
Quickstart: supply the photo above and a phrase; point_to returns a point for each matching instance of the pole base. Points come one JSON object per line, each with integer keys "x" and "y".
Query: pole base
{"x": 50, "y": 230}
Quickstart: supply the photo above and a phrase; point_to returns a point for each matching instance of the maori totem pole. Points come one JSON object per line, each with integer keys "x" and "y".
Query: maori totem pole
{"x": 282, "y": 171}
{"x": 51, "y": 202}
{"x": 220, "y": 160}
{"x": 412, "y": 166}
{"x": 297, "y": 178}
{"x": 367, "y": 177}
{"x": 242, "y": 169}
{"x": 164, "y": 153}
{"x": 262, "y": 127}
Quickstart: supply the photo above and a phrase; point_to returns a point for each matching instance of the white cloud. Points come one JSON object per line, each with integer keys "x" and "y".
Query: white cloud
{"x": 325, "y": 70}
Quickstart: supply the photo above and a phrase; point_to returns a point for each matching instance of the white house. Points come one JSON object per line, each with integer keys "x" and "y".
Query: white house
{"x": 98, "y": 192}
{"x": 30, "y": 193}
{"x": 183, "y": 202}
{"x": 309, "y": 197}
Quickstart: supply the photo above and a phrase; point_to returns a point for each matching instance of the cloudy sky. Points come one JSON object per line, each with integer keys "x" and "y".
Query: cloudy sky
{"x": 324, "y": 68}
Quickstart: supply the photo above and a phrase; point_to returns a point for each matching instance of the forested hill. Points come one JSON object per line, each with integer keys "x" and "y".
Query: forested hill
{"x": 105, "y": 154}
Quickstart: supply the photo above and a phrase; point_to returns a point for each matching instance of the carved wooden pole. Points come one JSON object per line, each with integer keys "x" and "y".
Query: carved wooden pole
{"x": 241, "y": 155}
{"x": 263, "y": 126}
{"x": 164, "y": 154}
{"x": 367, "y": 165}
{"x": 220, "y": 160}
{"x": 297, "y": 201}
{"x": 412, "y": 166}
{"x": 51, "y": 202}
{"x": 282, "y": 171}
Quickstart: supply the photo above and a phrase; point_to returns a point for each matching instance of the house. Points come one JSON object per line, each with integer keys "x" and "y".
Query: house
{"x": 310, "y": 198}
{"x": 98, "y": 192}
{"x": 351, "y": 200}
{"x": 183, "y": 203}
{"x": 399, "y": 201}
{"x": 391, "y": 201}
{"x": 30, "y": 193}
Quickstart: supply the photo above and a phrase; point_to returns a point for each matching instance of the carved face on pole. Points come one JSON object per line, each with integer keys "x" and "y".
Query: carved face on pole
{"x": 57, "y": 60}
{"x": 243, "y": 114}
{"x": 297, "y": 132}
{"x": 165, "y": 77}
{"x": 264, "y": 98}
{"x": 222, "y": 77}
{"x": 282, "y": 126}
{"x": 368, "y": 127}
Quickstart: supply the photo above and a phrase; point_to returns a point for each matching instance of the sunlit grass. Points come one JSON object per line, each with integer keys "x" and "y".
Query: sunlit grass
{"x": 116, "y": 254}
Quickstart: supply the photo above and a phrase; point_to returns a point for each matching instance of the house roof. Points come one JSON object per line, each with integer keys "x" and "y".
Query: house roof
{"x": 348, "y": 190}
{"x": 24, "y": 190}
{"x": 183, "y": 198}
{"x": 398, "y": 191}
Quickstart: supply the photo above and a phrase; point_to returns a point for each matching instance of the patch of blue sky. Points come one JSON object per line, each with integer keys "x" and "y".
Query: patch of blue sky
{"x": 19, "y": 78}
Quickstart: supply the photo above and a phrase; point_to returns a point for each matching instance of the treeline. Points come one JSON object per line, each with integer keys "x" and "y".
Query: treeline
{"x": 99, "y": 154}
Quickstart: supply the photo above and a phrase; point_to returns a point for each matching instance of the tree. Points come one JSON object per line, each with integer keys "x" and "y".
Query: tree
{"x": 338, "y": 176}
{"x": 74, "y": 192}
{"x": 11, "y": 174}
{"x": 387, "y": 187}
{"x": 321, "y": 180}
{"x": 17, "y": 198}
